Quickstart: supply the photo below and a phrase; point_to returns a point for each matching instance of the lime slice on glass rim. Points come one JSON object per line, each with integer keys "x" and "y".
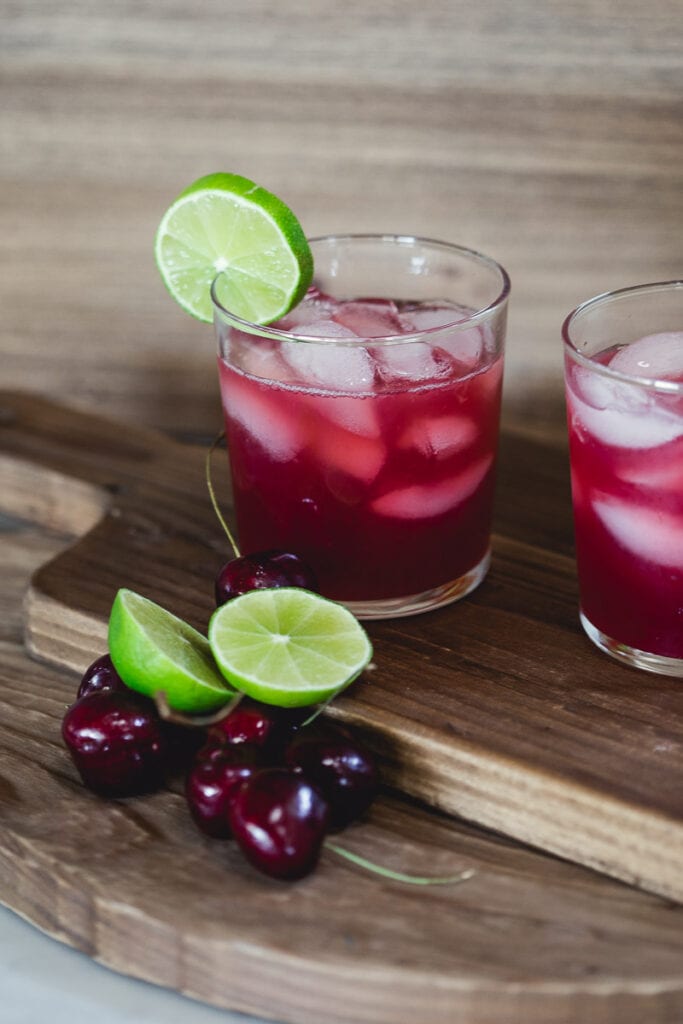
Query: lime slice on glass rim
{"x": 224, "y": 224}
{"x": 288, "y": 646}
{"x": 153, "y": 650}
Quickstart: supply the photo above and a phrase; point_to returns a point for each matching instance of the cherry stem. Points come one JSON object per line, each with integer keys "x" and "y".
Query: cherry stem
{"x": 398, "y": 876}
{"x": 193, "y": 721}
{"x": 318, "y": 711}
{"x": 212, "y": 494}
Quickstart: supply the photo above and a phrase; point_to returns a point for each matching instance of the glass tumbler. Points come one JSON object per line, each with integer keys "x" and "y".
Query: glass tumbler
{"x": 362, "y": 428}
{"x": 624, "y": 389}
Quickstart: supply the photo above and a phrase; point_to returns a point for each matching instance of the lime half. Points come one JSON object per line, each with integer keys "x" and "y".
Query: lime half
{"x": 153, "y": 650}
{"x": 225, "y": 224}
{"x": 287, "y": 646}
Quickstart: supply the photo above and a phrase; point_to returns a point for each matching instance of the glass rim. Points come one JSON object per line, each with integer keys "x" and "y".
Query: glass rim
{"x": 657, "y": 383}
{"x": 266, "y": 331}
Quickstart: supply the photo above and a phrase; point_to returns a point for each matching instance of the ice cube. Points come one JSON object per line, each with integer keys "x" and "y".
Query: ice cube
{"x": 359, "y": 457}
{"x": 260, "y": 357}
{"x": 274, "y": 429}
{"x": 327, "y": 329}
{"x": 423, "y": 318}
{"x": 314, "y": 308}
{"x": 411, "y": 361}
{"x": 657, "y": 357}
{"x": 440, "y": 436}
{"x": 619, "y": 414}
{"x": 371, "y": 318}
{"x": 466, "y": 346}
{"x": 661, "y": 472}
{"x": 424, "y": 501}
{"x": 338, "y": 368}
{"x": 602, "y": 391}
{"x": 357, "y": 415}
{"x": 649, "y": 533}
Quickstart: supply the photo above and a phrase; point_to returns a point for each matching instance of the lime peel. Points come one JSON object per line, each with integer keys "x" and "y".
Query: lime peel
{"x": 153, "y": 650}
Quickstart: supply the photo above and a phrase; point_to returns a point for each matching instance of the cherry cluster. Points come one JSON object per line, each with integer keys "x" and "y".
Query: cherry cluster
{"x": 277, "y": 786}
{"x": 257, "y": 775}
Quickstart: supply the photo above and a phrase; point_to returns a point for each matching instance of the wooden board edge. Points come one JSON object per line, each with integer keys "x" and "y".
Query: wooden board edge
{"x": 57, "y": 501}
{"x": 61, "y": 636}
{"x": 245, "y": 977}
{"x": 643, "y": 850}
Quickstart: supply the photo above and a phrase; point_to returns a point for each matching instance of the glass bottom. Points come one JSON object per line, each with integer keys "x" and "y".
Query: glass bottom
{"x": 630, "y": 655}
{"x": 415, "y": 604}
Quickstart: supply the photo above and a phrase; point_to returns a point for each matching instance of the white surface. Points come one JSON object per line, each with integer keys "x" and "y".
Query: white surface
{"x": 43, "y": 980}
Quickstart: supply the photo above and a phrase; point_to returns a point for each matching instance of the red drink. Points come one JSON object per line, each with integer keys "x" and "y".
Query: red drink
{"x": 626, "y": 446}
{"x": 371, "y": 459}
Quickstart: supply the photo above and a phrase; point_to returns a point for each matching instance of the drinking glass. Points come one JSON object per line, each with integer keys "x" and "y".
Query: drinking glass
{"x": 362, "y": 428}
{"x": 624, "y": 387}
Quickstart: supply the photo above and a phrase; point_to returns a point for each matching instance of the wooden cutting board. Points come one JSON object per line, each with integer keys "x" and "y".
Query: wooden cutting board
{"x": 496, "y": 709}
{"x": 529, "y": 939}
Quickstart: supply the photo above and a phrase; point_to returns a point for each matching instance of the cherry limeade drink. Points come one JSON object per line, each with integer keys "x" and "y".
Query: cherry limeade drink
{"x": 626, "y": 443}
{"x": 374, "y": 463}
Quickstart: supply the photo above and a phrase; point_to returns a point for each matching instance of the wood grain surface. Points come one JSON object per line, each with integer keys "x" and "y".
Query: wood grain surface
{"x": 548, "y": 135}
{"x": 497, "y": 708}
{"x": 528, "y": 940}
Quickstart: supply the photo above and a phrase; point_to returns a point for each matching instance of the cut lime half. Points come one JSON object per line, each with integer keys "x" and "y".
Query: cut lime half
{"x": 287, "y": 646}
{"x": 225, "y": 224}
{"x": 153, "y": 650}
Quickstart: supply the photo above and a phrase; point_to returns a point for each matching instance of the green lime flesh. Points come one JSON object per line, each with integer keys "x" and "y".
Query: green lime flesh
{"x": 153, "y": 650}
{"x": 224, "y": 224}
{"x": 288, "y": 646}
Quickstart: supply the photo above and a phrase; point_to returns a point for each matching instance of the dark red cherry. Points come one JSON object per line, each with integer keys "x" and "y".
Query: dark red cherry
{"x": 250, "y": 722}
{"x": 211, "y": 785}
{"x": 339, "y": 766}
{"x": 261, "y": 725}
{"x": 117, "y": 743}
{"x": 263, "y": 570}
{"x": 279, "y": 821}
{"x": 212, "y": 748}
{"x": 102, "y": 677}
{"x": 99, "y": 676}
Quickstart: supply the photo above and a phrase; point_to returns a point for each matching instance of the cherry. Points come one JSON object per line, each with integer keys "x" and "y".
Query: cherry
{"x": 211, "y": 785}
{"x": 279, "y": 821}
{"x": 117, "y": 743}
{"x": 260, "y": 725}
{"x": 102, "y": 677}
{"x": 99, "y": 676}
{"x": 250, "y": 722}
{"x": 339, "y": 766}
{"x": 211, "y": 750}
{"x": 263, "y": 570}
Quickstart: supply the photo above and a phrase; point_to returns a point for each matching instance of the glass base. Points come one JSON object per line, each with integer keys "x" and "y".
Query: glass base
{"x": 415, "y": 604}
{"x": 630, "y": 655}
